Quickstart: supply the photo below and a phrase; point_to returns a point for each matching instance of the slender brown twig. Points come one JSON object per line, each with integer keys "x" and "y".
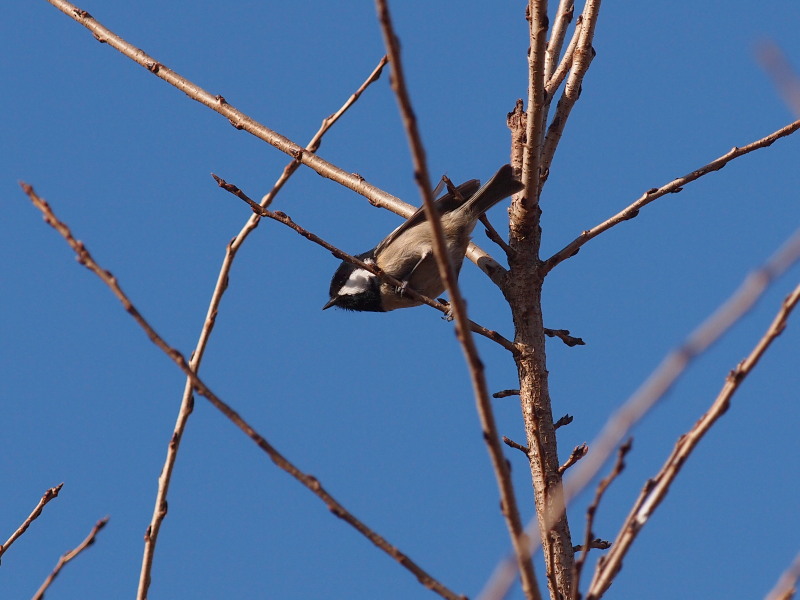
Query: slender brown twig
{"x": 187, "y": 401}
{"x": 564, "y": 336}
{"x": 68, "y": 556}
{"x": 505, "y": 393}
{"x": 516, "y": 445}
{"x": 659, "y": 382}
{"x": 535, "y": 114}
{"x": 555, "y": 80}
{"x": 309, "y": 481}
{"x": 657, "y": 487}
{"x": 589, "y": 540}
{"x": 565, "y": 420}
{"x": 46, "y": 497}
{"x": 493, "y": 235}
{"x": 673, "y": 187}
{"x": 786, "y": 586}
{"x": 577, "y": 453}
{"x": 523, "y": 291}
{"x": 242, "y": 121}
{"x": 480, "y": 388}
{"x": 671, "y": 368}
{"x": 561, "y": 20}
{"x": 581, "y": 59}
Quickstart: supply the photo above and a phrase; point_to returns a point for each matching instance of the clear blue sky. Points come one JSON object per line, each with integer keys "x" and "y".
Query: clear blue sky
{"x": 377, "y": 406}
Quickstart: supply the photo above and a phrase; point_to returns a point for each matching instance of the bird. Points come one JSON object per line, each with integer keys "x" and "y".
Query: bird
{"x": 407, "y": 252}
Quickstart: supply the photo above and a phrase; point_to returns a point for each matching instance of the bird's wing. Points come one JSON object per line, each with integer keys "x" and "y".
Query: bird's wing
{"x": 443, "y": 204}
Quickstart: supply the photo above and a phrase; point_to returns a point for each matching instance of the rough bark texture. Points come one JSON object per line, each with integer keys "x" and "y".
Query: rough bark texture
{"x": 523, "y": 291}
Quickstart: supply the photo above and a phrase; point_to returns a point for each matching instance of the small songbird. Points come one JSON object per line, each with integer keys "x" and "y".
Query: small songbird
{"x": 407, "y": 253}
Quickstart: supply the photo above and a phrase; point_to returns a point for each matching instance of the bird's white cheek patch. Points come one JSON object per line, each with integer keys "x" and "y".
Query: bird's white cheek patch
{"x": 357, "y": 283}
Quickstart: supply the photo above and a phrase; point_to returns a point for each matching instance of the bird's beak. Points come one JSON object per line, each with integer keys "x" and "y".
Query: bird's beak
{"x": 329, "y": 303}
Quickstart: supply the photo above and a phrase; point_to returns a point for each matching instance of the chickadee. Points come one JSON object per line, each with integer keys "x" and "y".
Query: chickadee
{"x": 407, "y": 253}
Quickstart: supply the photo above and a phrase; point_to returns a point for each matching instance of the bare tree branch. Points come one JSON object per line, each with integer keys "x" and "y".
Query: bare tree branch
{"x": 673, "y": 187}
{"x": 589, "y": 539}
{"x": 660, "y": 381}
{"x": 523, "y": 286}
{"x": 562, "y": 19}
{"x": 505, "y": 393}
{"x": 565, "y": 420}
{"x": 46, "y": 497}
{"x": 564, "y": 336}
{"x": 241, "y": 121}
{"x": 582, "y": 58}
{"x": 667, "y": 373}
{"x": 68, "y": 556}
{"x": 786, "y": 586}
{"x": 557, "y": 78}
{"x": 532, "y": 166}
{"x": 577, "y": 453}
{"x": 309, "y": 481}
{"x": 447, "y": 272}
{"x": 187, "y": 401}
{"x": 516, "y": 445}
{"x": 656, "y": 488}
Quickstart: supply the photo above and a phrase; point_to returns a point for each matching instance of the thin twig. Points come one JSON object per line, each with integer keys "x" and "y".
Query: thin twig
{"x": 532, "y": 168}
{"x": 285, "y": 219}
{"x": 68, "y": 556}
{"x": 561, "y": 20}
{"x": 555, "y": 80}
{"x": 590, "y": 541}
{"x": 659, "y": 382}
{"x": 673, "y": 187}
{"x": 564, "y": 336}
{"x": 565, "y": 420}
{"x": 505, "y": 393}
{"x": 671, "y": 368}
{"x": 581, "y": 59}
{"x": 656, "y": 488}
{"x": 522, "y": 290}
{"x": 309, "y": 481}
{"x": 786, "y": 586}
{"x": 577, "y": 453}
{"x": 46, "y": 497}
{"x": 596, "y": 544}
{"x": 242, "y": 121}
{"x": 516, "y": 445}
{"x": 459, "y": 311}
{"x": 187, "y": 401}
{"x": 493, "y": 235}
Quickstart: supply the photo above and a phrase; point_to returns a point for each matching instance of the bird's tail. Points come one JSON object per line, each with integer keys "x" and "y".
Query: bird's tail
{"x": 501, "y": 185}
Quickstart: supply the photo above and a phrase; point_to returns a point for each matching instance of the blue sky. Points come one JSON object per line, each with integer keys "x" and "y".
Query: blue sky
{"x": 377, "y": 406}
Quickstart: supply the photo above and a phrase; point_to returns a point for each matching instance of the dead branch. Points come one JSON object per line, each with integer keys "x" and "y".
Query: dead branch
{"x": 673, "y": 187}
{"x": 590, "y": 541}
{"x": 243, "y": 122}
{"x": 46, "y": 497}
{"x": 309, "y": 481}
{"x": 577, "y": 453}
{"x": 187, "y": 401}
{"x": 786, "y": 586}
{"x": 508, "y": 503}
{"x": 671, "y": 368}
{"x": 656, "y": 488}
{"x": 68, "y": 556}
